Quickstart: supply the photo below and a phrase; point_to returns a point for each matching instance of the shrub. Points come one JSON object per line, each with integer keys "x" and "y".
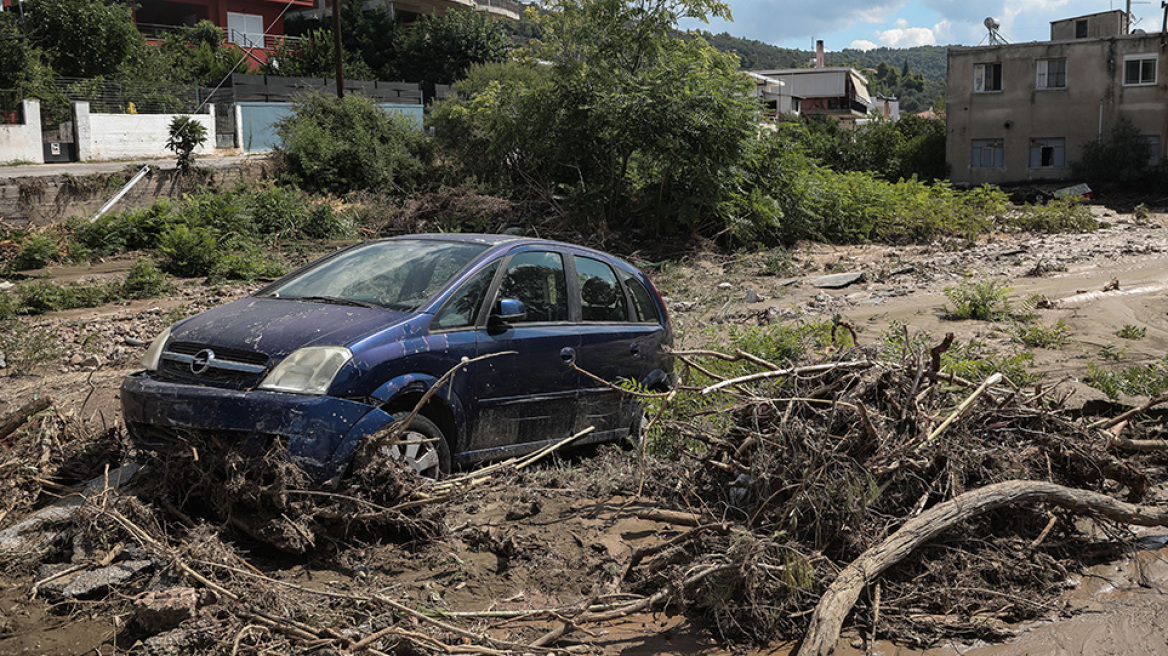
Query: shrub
{"x": 144, "y": 280}
{"x": 25, "y": 348}
{"x": 983, "y": 300}
{"x": 114, "y": 233}
{"x": 38, "y": 251}
{"x": 247, "y": 262}
{"x": 1121, "y": 157}
{"x": 40, "y": 296}
{"x": 1037, "y": 335}
{"x": 188, "y": 252}
{"x": 1061, "y": 215}
{"x": 338, "y": 145}
{"x": 1150, "y": 379}
{"x": 186, "y": 134}
{"x": 1128, "y": 331}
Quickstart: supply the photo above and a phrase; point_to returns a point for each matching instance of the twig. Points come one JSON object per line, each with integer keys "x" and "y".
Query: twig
{"x": 1108, "y": 423}
{"x": 961, "y": 409}
{"x": 793, "y": 371}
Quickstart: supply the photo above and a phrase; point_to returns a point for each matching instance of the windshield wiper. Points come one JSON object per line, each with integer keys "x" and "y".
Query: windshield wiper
{"x": 333, "y": 300}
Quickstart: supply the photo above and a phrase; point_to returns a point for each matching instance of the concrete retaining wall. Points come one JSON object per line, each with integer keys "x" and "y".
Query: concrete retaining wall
{"x": 33, "y": 201}
{"x": 22, "y": 142}
{"x": 103, "y": 137}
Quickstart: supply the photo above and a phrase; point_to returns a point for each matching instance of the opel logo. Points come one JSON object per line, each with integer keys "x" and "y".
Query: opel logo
{"x": 202, "y": 361}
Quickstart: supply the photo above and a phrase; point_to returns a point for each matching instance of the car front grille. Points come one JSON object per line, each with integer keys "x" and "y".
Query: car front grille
{"x": 205, "y": 364}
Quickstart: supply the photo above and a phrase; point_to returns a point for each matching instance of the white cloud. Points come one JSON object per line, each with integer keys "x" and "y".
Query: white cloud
{"x": 906, "y": 37}
{"x": 863, "y": 44}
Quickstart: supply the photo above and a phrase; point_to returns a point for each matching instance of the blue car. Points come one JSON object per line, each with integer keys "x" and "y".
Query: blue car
{"x": 344, "y": 347}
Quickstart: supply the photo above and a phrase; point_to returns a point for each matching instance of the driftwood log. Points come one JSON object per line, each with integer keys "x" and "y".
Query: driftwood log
{"x": 12, "y": 422}
{"x": 841, "y": 596}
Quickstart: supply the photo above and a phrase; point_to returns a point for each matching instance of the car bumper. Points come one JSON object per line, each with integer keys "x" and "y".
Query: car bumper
{"x": 157, "y": 412}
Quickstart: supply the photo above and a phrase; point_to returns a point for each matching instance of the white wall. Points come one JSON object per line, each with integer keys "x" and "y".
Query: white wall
{"x": 129, "y": 136}
{"x": 23, "y": 142}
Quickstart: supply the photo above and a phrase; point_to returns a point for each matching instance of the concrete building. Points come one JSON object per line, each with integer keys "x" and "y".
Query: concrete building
{"x": 838, "y": 93}
{"x": 1022, "y": 112}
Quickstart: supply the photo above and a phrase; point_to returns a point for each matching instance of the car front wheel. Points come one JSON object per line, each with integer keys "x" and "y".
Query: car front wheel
{"x": 422, "y": 447}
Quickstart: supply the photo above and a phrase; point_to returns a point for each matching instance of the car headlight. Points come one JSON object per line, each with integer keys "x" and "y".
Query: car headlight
{"x": 308, "y": 371}
{"x": 154, "y": 352}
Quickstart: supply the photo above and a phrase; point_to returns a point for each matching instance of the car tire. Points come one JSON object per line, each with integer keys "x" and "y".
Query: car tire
{"x": 430, "y": 459}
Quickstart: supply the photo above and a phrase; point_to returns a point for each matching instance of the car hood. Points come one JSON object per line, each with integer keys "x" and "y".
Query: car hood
{"x": 277, "y": 327}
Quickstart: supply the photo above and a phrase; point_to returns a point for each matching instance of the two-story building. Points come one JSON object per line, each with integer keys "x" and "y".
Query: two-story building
{"x": 839, "y": 93}
{"x": 1022, "y": 112}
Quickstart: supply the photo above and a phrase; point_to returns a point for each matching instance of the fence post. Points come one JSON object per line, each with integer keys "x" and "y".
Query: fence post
{"x": 83, "y": 130}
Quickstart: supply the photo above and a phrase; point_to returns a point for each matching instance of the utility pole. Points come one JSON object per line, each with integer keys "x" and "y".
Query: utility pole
{"x": 338, "y": 55}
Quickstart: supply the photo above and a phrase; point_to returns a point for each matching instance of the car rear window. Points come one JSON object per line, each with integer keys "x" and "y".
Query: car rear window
{"x": 398, "y": 274}
{"x": 642, "y": 301}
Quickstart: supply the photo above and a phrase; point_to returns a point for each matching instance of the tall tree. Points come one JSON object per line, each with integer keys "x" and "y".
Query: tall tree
{"x": 83, "y": 38}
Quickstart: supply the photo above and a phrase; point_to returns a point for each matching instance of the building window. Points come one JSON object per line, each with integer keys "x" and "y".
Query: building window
{"x": 1048, "y": 153}
{"x": 1051, "y": 74}
{"x": 245, "y": 30}
{"x": 1081, "y": 29}
{"x": 987, "y": 77}
{"x": 988, "y": 154}
{"x": 1139, "y": 70}
{"x": 1153, "y": 142}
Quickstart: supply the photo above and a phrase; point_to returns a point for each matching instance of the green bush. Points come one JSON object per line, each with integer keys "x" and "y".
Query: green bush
{"x": 1119, "y": 158}
{"x": 1057, "y": 216}
{"x": 983, "y": 300}
{"x": 37, "y": 251}
{"x": 340, "y": 145}
{"x": 1150, "y": 379}
{"x": 135, "y": 230}
{"x": 188, "y": 252}
{"x": 40, "y": 296}
{"x": 25, "y": 348}
{"x": 145, "y": 280}
{"x": 247, "y": 262}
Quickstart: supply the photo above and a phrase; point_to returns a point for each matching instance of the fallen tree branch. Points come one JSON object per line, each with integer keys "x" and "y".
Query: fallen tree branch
{"x": 1108, "y": 423}
{"x": 793, "y": 371}
{"x": 14, "y": 421}
{"x": 841, "y": 596}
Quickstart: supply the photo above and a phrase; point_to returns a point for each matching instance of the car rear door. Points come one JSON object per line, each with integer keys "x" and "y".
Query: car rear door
{"x": 529, "y": 396}
{"x": 615, "y": 344}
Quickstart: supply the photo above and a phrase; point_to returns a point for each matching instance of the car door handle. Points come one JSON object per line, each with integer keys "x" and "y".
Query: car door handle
{"x": 635, "y": 349}
{"x": 568, "y": 355}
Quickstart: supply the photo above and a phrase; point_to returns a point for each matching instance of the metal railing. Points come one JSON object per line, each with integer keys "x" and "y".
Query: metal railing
{"x": 157, "y": 32}
{"x": 135, "y": 97}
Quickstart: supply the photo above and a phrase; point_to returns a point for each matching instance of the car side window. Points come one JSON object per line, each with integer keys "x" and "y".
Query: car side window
{"x": 461, "y": 309}
{"x": 537, "y": 278}
{"x": 642, "y": 301}
{"x": 601, "y": 298}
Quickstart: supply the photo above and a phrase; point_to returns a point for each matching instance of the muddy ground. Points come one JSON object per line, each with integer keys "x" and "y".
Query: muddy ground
{"x": 559, "y": 534}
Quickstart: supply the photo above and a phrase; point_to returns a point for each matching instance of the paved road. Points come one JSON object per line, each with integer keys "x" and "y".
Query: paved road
{"x": 85, "y": 168}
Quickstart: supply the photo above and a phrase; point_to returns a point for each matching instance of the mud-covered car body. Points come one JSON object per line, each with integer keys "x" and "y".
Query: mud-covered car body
{"x": 321, "y": 371}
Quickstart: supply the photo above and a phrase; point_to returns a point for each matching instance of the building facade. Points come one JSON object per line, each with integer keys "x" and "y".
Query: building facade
{"x": 1023, "y": 112}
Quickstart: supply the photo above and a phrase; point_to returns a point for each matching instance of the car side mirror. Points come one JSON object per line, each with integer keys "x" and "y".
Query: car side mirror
{"x": 507, "y": 310}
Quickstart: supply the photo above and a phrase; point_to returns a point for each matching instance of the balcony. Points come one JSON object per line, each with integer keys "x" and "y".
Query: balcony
{"x": 154, "y": 33}
{"x": 838, "y": 107}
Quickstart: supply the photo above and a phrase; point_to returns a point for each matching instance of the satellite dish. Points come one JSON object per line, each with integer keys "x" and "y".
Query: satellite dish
{"x": 1138, "y": 31}
{"x": 995, "y": 36}
{"x": 991, "y": 23}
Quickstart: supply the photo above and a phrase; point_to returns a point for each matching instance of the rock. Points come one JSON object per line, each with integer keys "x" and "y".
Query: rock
{"x": 684, "y": 306}
{"x": 724, "y": 285}
{"x": 753, "y": 297}
{"x": 91, "y": 361}
{"x": 99, "y": 581}
{"x": 838, "y": 280}
{"x": 3, "y": 364}
{"x": 134, "y": 341}
{"x": 161, "y": 610}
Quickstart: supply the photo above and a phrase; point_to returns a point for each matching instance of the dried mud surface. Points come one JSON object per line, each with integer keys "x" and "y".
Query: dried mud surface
{"x": 561, "y": 534}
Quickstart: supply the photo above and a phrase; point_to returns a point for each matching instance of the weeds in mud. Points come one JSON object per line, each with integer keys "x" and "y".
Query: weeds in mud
{"x": 1129, "y": 331}
{"x": 26, "y": 348}
{"x": 1150, "y": 379}
{"x": 982, "y": 300}
{"x": 38, "y": 251}
{"x": 1057, "y": 216}
{"x": 1037, "y": 335}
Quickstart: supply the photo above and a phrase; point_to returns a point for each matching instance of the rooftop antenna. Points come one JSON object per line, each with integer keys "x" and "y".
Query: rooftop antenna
{"x": 996, "y": 38}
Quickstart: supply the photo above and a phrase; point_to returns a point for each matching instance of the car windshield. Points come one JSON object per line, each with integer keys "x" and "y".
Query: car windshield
{"x": 398, "y": 274}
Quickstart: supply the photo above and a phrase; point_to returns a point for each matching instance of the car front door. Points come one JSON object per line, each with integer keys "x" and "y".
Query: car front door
{"x": 529, "y": 396}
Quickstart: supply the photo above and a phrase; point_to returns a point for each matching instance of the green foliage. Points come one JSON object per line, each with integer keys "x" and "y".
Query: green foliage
{"x": 1150, "y": 379}
{"x": 1121, "y": 157}
{"x": 313, "y": 57}
{"x": 626, "y": 124}
{"x": 339, "y": 145}
{"x": 1037, "y": 335}
{"x": 83, "y": 38}
{"x": 975, "y": 361}
{"x": 37, "y": 251}
{"x": 25, "y": 348}
{"x": 40, "y": 296}
{"x": 145, "y": 280}
{"x": 912, "y": 147}
{"x": 186, "y": 134}
{"x": 23, "y": 66}
{"x": 440, "y": 49}
{"x": 193, "y": 54}
{"x": 1057, "y": 216}
{"x": 246, "y": 261}
{"x": 1128, "y": 331}
{"x": 188, "y": 252}
{"x": 134, "y": 230}
{"x": 983, "y": 300}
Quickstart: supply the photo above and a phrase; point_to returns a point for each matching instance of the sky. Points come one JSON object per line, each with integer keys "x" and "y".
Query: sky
{"x": 867, "y": 24}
